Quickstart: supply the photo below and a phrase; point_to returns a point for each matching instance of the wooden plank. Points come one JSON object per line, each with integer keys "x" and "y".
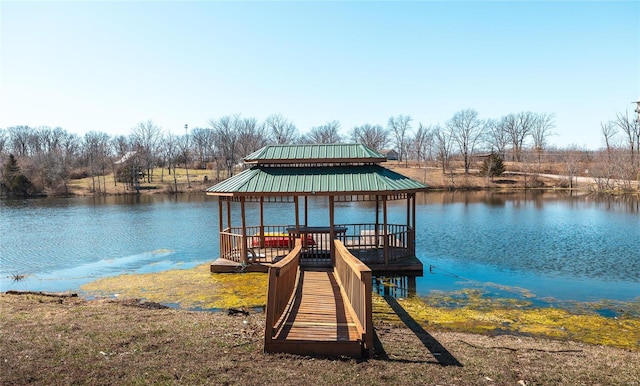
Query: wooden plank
{"x": 319, "y": 312}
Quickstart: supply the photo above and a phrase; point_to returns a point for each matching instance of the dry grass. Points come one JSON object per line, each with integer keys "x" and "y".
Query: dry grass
{"x": 160, "y": 183}
{"x": 73, "y": 341}
{"x": 433, "y": 177}
{"x": 197, "y": 288}
{"x": 456, "y": 179}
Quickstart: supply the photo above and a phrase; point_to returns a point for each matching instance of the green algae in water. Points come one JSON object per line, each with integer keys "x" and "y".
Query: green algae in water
{"x": 195, "y": 288}
{"x": 468, "y": 310}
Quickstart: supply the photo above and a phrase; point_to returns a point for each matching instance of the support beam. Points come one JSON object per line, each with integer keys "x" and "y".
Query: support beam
{"x": 408, "y": 210}
{"x": 377, "y": 228}
{"x": 261, "y": 222}
{"x": 332, "y": 231}
{"x": 412, "y": 231}
{"x": 243, "y": 247}
{"x": 296, "y": 203}
{"x": 385, "y": 231}
{"x": 220, "y": 224}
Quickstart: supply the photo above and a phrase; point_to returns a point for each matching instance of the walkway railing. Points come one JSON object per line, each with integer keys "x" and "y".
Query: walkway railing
{"x": 283, "y": 277}
{"x": 264, "y": 244}
{"x": 368, "y": 242}
{"x": 345, "y": 325}
{"x": 355, "y": 279}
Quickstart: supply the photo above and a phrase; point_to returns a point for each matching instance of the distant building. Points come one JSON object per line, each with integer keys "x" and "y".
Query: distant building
{"x": 391, "y": 155}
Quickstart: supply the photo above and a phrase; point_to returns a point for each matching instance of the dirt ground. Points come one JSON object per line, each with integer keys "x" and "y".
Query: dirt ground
{"x": 59, "y": 341}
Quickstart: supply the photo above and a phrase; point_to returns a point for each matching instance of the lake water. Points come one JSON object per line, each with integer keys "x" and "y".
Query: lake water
{"x": 544, "y": 246}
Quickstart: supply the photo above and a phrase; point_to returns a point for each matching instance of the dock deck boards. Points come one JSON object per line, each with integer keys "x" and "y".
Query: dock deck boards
{"x": 319, "y": 312}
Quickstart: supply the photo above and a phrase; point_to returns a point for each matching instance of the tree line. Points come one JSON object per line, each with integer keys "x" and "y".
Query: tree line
{"x": 51, "y": 157}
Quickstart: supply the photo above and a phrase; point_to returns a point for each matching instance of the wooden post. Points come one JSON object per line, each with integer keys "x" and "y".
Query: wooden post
{"x": 228, "y": 212}
{"x": 385, "y": 231}
{"x": 412, "y": 233}
{"x": 368, "y": 306}
{"x": 306, "y": 211}
{"x": 413, "y": 210}
{"x": 261, "y": 222}
{"x": 408, "y": 210}
{"x": 332, "y": 232}
{"x": 245, "y": 255}
{"x": 296, "y": 204}
{"x": 411, "y": 285}
{"x": 376, "y": 232}
{"x": 220, "y": 224}
{"x": 270, "y": 310}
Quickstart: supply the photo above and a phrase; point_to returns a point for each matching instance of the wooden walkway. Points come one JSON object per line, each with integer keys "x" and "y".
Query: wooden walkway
{"x": 320, "y": 317}
{"x": 319, "y": 312}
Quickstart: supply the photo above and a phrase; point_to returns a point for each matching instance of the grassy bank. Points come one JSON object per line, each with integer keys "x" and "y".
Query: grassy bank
{"x": 198, "y": 289}
{"x": 53, "y": 341}
{"x": 199, "y": 180}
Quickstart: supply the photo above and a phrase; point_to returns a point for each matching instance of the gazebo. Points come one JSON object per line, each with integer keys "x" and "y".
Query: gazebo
{"x": 294, "y": 175}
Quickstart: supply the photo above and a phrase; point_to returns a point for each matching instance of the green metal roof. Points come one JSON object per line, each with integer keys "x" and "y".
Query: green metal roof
{"x": 336, "y": 153}
{"x": 269, "y": 180}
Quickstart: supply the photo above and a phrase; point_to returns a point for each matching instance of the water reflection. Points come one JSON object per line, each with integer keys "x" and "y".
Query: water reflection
{"x": 395, "y": 286}
{"x": 553, "y": 244}
{"x": 536, "y": 199}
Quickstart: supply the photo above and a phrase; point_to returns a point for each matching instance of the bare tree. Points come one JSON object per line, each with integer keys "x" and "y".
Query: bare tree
{"x": 281, "y": 130}
{"x": 146, "y": 139}
{"x": 3, "y": 140}
{"x": 96, "y": 151}
{"x": 443, "y": 144}
{"x": 400, "y": 127}
{"x": 171, "y": 151}
{"x": 226, "y": 129}
{"x": 3, "y": 147}
{"x": 251, "y": 136}
{"x": 466, "y": 130}
{"x": 324, "y": 134}
{"x": 184, "y": 144}
{"x": 203, "y": 144}
{"x": 422, "y": 143}
{"x": 631, "y": 129}
{"x": 120, "y": 146}
{"x": 496, "y": 137}
{"x": 609, "y": 131}
{"x": 69, "y": 147}
{"x": 518, "y": 127}
{"x": 540, "y": 132}
{"x": 372, "y": 136}
{"x": 19, "y": 140}
{"x": 575, "y": 160}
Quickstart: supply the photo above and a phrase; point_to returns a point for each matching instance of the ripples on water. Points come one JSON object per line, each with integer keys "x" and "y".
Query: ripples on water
{"x": 552, "y": 245}
{"x": 569, "y": 248}
{"x": 86, "y": 238}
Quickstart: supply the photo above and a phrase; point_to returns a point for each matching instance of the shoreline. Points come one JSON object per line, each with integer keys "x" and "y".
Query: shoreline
{"x": 72, "y": 340}
{"x": 454, "y": 180}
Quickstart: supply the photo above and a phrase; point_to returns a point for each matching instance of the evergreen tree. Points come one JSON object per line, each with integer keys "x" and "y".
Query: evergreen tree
{"x": 492, "y": 166}
{"x": 14, "y": 183}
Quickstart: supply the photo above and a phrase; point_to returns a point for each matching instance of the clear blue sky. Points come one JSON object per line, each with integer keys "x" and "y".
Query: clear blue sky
{"x": 106, "y": 66}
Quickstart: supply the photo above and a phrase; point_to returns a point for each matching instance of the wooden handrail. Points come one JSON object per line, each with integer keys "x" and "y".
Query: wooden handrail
{"x": 283, "y": 277}
{"x": 355, "y": 281}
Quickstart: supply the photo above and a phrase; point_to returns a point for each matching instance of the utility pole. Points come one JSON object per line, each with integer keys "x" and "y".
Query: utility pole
{"x": 186, "y": 150}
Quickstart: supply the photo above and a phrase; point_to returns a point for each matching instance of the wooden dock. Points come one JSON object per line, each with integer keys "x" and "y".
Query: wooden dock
{"x": 319, "y": 311}
{"x": 319, "y": 317}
